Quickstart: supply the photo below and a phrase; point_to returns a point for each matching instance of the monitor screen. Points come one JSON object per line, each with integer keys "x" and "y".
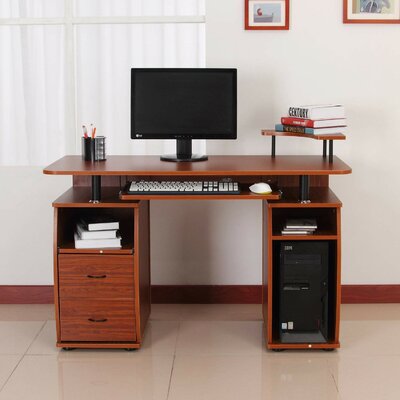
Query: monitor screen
{"x": 183, "y": 103}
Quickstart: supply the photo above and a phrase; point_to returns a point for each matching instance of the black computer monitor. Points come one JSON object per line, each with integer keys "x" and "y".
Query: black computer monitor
{"x": 183, "y": 104}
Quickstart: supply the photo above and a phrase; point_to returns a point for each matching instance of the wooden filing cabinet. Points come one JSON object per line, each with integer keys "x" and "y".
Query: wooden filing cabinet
{"x": 102, "y": 296}
{"x": 97, "y": 297}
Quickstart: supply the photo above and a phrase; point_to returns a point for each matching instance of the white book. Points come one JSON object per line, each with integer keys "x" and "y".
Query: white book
{"x": 323, "y": 111}
{"x": 330, "y": 131}
{"x": 301, "y": 223}
{"x": 299, "y": 229}
{"x": 297, "y": 232}
{"x": 85, "y": 234}
{"x": 326, "y": 123}
{"x": 99, "y": 223}
{"x": 97, "y": 243}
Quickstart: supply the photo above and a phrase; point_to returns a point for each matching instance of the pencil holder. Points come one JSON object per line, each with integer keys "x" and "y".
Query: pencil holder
{"x": 88, "y": 149}
{"x": 100, "y": 148}
{"x": 94, "y": 149}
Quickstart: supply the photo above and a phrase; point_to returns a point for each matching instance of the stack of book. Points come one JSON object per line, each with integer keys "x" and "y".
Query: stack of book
{"x": 97, "y": 233}
{"x": 328, "y": 119}
{"x": 300, "y": 226}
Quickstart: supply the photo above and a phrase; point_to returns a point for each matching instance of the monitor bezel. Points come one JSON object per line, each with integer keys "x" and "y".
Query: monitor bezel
{"x": 219, "y": 136}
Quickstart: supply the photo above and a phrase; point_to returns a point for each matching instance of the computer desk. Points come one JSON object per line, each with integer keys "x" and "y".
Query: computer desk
{"x": 102, "y": 296}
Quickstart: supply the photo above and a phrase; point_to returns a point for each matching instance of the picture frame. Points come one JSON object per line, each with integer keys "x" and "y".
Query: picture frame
{"x": 266, "y": 14}
{"x": 371, "y": 11}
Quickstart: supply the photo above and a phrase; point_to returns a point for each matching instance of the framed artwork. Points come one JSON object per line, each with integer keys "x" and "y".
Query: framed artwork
{"x": 266, "y": 14}
{"x": 371, "y": 11}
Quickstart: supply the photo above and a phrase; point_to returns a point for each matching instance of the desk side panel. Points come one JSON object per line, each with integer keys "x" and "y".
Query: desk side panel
{"x": 266, "y": 239}
{"x": 142, "y": 265}
{"x": 55, "y": 274}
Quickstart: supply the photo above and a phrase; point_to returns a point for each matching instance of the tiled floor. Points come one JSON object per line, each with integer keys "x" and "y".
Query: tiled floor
{"x": 201, "y": 352}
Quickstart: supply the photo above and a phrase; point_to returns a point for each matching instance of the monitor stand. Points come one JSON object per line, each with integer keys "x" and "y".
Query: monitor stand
{"x": 183, "y": 153}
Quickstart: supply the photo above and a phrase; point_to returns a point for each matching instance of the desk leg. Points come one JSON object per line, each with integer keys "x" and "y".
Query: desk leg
{"x": 304, "y": 189}
{"x": 273, "y": 146}
{"x": 324, "y": 149}
{"x": 96, "y": 189}
{"x": 331, "y": 151}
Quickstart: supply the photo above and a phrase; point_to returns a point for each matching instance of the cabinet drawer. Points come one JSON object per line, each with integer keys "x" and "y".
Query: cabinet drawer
{"x": 102, "y": 276}
{"x": 99, "y": 320}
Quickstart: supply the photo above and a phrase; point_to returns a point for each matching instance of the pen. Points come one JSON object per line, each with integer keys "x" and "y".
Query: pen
{"x": 94, "y": 132}
{"x": 85, "y": 135}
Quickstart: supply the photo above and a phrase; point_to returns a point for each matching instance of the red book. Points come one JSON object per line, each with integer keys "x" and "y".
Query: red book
{"x": 313, "y": 123}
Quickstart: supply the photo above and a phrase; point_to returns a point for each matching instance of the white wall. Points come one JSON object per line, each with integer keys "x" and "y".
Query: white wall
{"x": 26, "y": 215}
{"x": 322, "y": 60}
{"x": 318, "y": 60}
{"x": 206, "y": 242}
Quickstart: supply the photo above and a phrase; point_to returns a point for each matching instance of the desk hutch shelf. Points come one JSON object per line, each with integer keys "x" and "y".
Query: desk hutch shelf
{"x": 324, "y": 138}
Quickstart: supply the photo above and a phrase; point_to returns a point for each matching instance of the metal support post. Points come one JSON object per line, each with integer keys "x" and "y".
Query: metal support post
{"x": 304, "y": 189}
{"x": 96, "y": 189}
{"x": 273, "y": 146}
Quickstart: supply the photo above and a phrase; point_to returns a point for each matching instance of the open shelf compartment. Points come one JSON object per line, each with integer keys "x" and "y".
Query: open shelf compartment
{"x": 324, "y": 337}
{"x": 67, "y": 218}
{"x": 326, "y": 219}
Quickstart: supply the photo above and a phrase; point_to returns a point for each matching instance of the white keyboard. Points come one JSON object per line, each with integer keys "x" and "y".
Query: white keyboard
{"x": 185, "y": 187}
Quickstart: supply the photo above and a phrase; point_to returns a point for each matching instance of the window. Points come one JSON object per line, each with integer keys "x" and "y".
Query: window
{"x": 67, "y": 62}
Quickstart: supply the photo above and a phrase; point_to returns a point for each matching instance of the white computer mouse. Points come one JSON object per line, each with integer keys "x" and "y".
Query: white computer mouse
{"x": 260, "y": 188}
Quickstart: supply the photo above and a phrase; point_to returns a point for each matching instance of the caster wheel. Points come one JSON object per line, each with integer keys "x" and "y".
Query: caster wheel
{"x": 68, "y": 348}
{"x": 278, "y": 350}
{"x": 129, "y": 349}
{"x": 328, "y": 349}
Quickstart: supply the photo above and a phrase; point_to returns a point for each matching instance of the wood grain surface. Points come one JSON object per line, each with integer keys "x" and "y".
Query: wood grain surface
{"x": 95, "y": 276}
{"x": 100, "y": 320}
{"x": 215, "y": 166}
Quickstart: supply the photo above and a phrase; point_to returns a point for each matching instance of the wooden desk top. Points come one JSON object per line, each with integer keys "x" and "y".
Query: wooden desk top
{"x": 215, "y": 166}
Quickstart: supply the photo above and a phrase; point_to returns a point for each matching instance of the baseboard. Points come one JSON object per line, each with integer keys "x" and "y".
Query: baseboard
{"x": 251, "y": 294}
{"x": 205, "y": 294}
{"x": 361, "y": 294}
{"x": 26, "y": 294}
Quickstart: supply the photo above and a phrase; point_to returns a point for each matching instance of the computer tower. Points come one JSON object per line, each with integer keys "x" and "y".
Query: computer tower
{"x": 303, "y": 281}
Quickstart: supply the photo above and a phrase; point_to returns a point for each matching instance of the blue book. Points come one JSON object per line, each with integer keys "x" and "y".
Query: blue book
{"x": 293, "y": 129}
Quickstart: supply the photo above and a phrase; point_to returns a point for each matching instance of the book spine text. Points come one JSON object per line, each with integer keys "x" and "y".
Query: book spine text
{"x": 293, "y": 129}
{"x": 308, "y": 123}
{"x": 299, "y": 112}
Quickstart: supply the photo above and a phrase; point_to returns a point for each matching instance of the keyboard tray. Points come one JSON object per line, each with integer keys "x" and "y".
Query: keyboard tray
{"x": 184, "y": 188}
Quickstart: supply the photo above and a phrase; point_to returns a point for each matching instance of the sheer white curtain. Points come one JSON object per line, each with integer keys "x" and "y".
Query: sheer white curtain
{"x": 32, "y": 116}
{"x": 34, "y": 66}
{"x": 104, "y": 59}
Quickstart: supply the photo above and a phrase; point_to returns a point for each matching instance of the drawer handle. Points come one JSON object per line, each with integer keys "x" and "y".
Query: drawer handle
{"x": 97, "y": 320}
{"x": 97, "y": 276}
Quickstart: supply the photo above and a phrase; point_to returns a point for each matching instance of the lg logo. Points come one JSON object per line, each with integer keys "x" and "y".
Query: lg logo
{"x": 138, "y": 135}
{"x": 288, "y": 247}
